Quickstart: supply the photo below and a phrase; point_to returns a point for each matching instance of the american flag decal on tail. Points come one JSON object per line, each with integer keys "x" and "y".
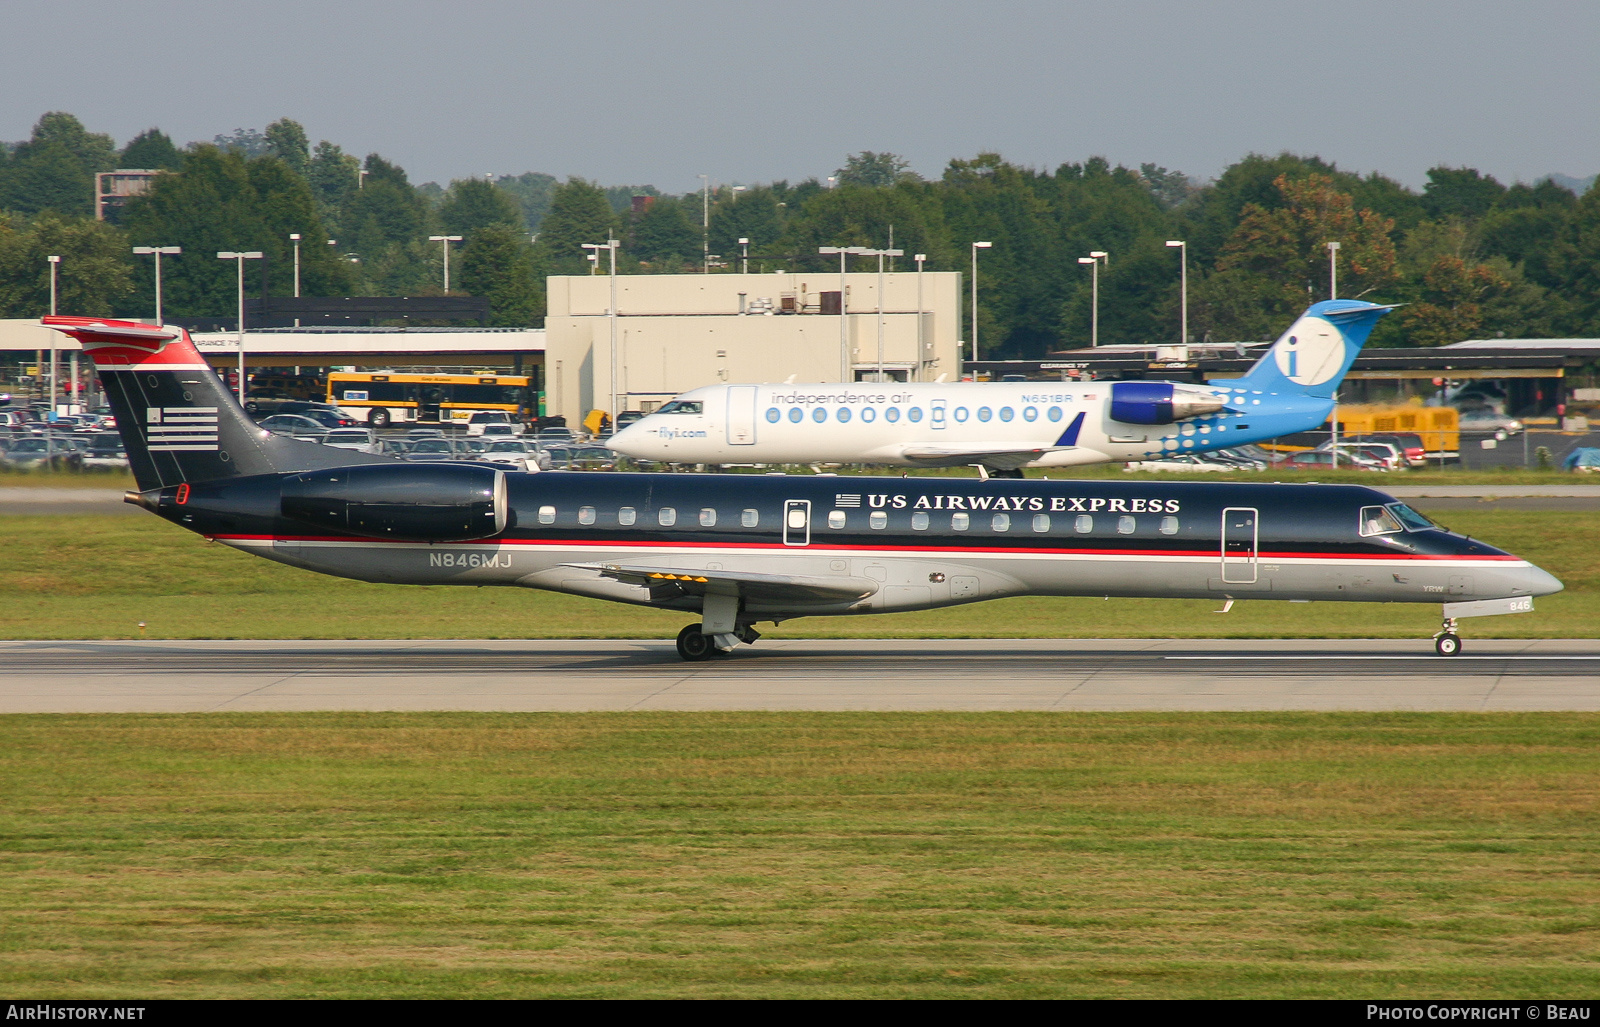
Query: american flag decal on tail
{"x": 182, "y": 429}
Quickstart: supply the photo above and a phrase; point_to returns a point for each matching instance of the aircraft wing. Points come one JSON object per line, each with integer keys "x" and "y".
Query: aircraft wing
{"x": 997, "y": 455}
{"x": 670, "y": 582}
{"x": 1002, "y": 455}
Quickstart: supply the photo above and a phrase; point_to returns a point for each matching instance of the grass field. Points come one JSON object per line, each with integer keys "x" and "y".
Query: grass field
{"x": 811, "y": 855}
{"x": 98, "y": 576}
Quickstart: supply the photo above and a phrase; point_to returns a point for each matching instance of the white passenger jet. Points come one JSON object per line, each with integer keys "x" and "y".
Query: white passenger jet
{"x": 1010, "y": 425}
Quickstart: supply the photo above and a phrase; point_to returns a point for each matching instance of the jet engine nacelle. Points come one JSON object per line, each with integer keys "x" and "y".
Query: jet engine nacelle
{"x": 1159, "y": 402}
{"x": 413, "y": 502}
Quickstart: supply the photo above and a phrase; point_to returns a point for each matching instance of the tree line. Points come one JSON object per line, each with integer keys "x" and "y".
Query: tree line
{"x": 1468, "y": 255}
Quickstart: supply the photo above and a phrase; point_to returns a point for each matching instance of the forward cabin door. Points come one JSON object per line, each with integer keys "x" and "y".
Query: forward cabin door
{"x": 797, "y": 522}
{"x": 1241, "y": 535}
{"x": 741, "y": 415}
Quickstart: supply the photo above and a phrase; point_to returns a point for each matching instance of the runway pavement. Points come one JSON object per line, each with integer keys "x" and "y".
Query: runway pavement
{"x": 988, "y": 674}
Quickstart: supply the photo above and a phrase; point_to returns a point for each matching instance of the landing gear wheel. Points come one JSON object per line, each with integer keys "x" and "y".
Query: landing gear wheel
{"x": 694, "y": 646}
{"x": 1447, "y": 644}
{"x": 379, "y": 418}
{"x": 1015, "y": 472}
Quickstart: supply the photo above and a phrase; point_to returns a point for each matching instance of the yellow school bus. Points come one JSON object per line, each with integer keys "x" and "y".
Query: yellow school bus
{"x": 389, "y": 397}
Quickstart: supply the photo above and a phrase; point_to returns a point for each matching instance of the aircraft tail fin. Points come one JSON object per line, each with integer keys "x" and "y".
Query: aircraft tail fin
{"x": 1313, "y": 356}
{"x": 179, "y": 423}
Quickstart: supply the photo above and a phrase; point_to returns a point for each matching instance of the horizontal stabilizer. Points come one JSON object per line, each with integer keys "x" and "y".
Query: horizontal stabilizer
{"x": 765, "y": 588}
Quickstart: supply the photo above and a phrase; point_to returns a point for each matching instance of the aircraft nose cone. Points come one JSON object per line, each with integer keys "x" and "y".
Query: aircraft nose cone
{"x": 1541, "y": 582}
{"x": 625, "y": 441}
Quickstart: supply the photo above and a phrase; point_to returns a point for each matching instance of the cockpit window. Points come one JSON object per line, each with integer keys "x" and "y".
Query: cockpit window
{"x": 681, "y": 406}
{"x": 1377, "y": 520}
{"x": 1410, "y": 518}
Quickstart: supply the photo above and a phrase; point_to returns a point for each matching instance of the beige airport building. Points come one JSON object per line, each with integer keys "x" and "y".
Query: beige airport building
{"x": 678, "y": 332}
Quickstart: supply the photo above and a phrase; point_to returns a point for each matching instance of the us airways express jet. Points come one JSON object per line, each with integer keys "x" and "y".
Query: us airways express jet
{"x": 1007, "y": 426}
{"x": 734, "y": 550}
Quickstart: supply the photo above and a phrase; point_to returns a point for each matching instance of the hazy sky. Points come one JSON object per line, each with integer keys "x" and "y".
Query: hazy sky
{"x": 634, "y": 93}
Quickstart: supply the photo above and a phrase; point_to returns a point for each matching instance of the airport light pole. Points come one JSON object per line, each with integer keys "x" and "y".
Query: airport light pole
{"x": 54, "y": 260}
{"x": 1094, "y": 309}
{"x": 705, "y": 224}
{"x": 157, "y": 251}
{"x": 445, "y": 241}
{"x": 1183, "y": 261}
{"x": 920, "y": 258}
{"x": 1333, "y": 270}
{"x": 880, "y": 254}
{"x": 361, "y": 178}
{"x": 844, "y": 324}
{"x": 241, "y": 258}
{"x": 744, "y": 256}
{"x": 594, "y": 249}
{"x": 975, "y": 248}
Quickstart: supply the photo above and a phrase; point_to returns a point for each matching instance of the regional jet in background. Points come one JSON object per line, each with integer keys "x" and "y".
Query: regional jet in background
{"x": 1010, "y": 425}
{"x": 735, "y": 550}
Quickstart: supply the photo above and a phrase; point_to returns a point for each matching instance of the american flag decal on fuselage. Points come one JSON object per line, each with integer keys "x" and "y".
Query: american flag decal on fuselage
{"x": 182, "y": 429}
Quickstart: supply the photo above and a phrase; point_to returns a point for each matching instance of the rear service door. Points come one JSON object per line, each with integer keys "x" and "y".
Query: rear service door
{"x": 742, "y": 415}
{"x": 1240, "y": 544}
{"x": 797, "y": 522}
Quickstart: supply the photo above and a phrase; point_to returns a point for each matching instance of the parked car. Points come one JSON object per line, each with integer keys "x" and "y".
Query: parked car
{"x": 1179, "y": 462}
{"x": 35, "y": 453}
{"x": 296, "y": 425}
{"x": 361, "y": 440}
{"x": 266, "y": 401}
{"x": 106, "y": 453}
{"x": 432, "y": 451}
{"x": 1321, "y": 458}
{"x": 425, "y": 433}
{"x": 501, "y": 431}
{"x": 1488, "y": 422}
{"x": 521, "y": 456}
{"x": 559, "y": 436}
{"x": 627, "y": 417}
{"x": 592, "y": 458}
{"x": 1388, "y": 455}
{"x": 483, "y": 418}
{"x": 1410, "y": 445}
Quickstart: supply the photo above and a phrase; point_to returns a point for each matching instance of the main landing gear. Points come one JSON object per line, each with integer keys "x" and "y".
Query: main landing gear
{"x": 695, "y": 645}
{"x": 1447, "y": 642}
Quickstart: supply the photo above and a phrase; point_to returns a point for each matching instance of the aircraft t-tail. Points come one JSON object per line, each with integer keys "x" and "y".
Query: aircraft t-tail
{"x": 735, "y": 550}
{"x": 1010, "y": 425}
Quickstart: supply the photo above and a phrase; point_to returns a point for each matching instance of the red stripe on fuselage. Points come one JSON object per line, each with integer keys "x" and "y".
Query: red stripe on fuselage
{"x": 780, "y": 547}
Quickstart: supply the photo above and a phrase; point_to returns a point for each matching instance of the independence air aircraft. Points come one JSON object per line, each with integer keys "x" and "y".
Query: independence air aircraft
{"x": 1007, "y": 426}
{"x": 737, "y": 549}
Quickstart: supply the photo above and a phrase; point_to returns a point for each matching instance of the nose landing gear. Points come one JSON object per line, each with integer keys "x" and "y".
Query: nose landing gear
{"x": 1447, "y": 642}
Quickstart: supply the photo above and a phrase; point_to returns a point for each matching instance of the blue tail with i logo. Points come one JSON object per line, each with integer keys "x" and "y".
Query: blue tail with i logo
{"x": 1311, "y": 358}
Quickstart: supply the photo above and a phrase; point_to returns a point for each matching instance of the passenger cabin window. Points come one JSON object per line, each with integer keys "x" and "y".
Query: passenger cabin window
{"x": 666, "y": 517}
{"x": 749, "y": 518}
{"x": 919, "y": 521}
{"x": 681, "y": 406}
{"x": 1377, "y": 520}
{"x": 627, "y": 515}
{"x": 1169, "y": 525}
{"x": 547, "y": 515}
{"x": 585, "y": 515}
{"x": 1083, "y": 524}
{"x": 835, "y": 518}
{"x": 878, "y": 519}
{"x": 1000, "y": 522}
{"x": 1041, "y": 522}
{"x": 1125, "y": 525}
{"x": 708, "y": 518}
{"x": 960, "y": 521}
